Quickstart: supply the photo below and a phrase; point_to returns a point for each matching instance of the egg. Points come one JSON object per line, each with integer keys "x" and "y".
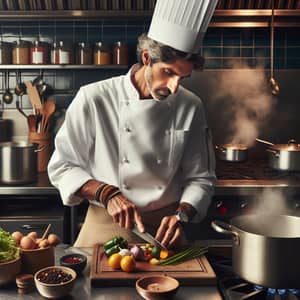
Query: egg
{"x": 43, "y": 243}
{"x": 17, "y": 236}
{"x": 27, "y": 243}
{"x": 53, "y": 239}
{"x": 33, "y": 235}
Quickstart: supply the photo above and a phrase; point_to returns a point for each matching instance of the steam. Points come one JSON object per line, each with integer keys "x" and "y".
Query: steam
{"x": 251, "y": 102}
{"x": 272, "y": 202}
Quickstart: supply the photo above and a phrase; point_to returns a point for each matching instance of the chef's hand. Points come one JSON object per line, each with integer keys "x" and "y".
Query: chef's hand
{"x": 170, "y": 233}
{"x": 124, "y": 212}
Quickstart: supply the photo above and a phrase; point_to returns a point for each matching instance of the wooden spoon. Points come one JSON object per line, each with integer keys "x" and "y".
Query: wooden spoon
{"x": 48, "y": 110}
{"x": 31, "y": 120}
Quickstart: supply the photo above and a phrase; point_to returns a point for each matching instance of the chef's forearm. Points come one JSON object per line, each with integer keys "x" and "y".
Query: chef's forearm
{"x": 188, "y": 209}
{"x": 88, "y": 190}
{"x": 98, "y": 191}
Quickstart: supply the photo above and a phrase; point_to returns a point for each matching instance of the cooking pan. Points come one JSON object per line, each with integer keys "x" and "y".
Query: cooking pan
{"x": 265, "y": 248}
{"x": 232, "y": 152}
{"x": 284, "y": 157}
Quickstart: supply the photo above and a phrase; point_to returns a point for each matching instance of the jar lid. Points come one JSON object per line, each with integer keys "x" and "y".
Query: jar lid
{"x": 119, "y": 43}
{"x": 83, "y": 45}
{"x": 22, "y": 43}
{"x": 2, "y": 43}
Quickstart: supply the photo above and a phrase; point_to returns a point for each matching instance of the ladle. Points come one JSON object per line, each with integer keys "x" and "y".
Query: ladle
{"x": 273, "y": 82}
{"x": 7, "y": 96}
{"x": 264, "y": 142}
{"x": 20, "y": 88}
{"x": 48, "y": 110}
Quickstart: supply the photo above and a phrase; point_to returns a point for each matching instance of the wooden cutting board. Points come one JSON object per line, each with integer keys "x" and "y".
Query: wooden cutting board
{"x": 194, "y": 272}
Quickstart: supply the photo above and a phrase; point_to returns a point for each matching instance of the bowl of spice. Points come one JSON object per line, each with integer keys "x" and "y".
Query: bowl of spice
{"x": 75, "y": 261}
{"x": 55, "y": 282}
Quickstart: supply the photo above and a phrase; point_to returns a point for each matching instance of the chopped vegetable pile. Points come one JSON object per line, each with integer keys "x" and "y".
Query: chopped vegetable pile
{"x": 8, "y": 248}
{"x": 117, "y": 250}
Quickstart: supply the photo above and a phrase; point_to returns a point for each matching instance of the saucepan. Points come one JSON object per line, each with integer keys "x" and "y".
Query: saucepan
{"x": 284, "y": 157}
{"x": 232, "y": 152}
{"x": 265, "y": 248}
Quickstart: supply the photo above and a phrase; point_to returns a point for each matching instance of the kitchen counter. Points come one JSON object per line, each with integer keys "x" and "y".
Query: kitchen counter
{"x": 223, "y": 187}
{"x": 82, "y": 289}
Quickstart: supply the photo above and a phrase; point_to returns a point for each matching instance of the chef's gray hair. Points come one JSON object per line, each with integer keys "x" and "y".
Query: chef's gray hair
{"x": 162, "y": 53}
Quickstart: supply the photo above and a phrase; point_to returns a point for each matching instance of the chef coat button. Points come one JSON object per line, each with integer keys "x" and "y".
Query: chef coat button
{"x": 125, "y": 160}
{"x": 125, "y": 186}
{"x": 127, "y": 129}
{"x": 160, "y": 187}
{"x": 127, "y": 103}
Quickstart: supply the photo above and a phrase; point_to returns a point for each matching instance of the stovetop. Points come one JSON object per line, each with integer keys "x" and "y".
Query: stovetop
{"x": 232, "y": 287}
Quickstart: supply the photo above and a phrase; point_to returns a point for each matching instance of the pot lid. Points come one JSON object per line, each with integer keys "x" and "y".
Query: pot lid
{"x": 290, "y": 146}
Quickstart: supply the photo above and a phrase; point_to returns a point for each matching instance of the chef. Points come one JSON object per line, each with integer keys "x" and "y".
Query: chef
{"x": 137, "y": 146}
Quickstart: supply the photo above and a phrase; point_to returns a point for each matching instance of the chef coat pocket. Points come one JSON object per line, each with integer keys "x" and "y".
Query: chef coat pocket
{"x": 178, "y": 140}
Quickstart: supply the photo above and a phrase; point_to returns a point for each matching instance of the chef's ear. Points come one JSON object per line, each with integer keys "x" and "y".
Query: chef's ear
{"x": 146, "y": 58}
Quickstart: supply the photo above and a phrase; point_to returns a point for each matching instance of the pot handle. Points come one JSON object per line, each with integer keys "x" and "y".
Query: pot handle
{"x": 274, "y": 152}
{"x": 225, "y": 228}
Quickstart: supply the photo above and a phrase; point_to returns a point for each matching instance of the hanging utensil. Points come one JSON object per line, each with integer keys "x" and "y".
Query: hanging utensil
{"x": 20, "y": 109}
{"x": 273, "y": 82}
{"x": 20, "y": 88}
{"x": 7, "y": 96}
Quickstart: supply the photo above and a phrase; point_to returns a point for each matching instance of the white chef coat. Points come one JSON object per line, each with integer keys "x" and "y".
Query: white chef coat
{"x": 156, "y": 152}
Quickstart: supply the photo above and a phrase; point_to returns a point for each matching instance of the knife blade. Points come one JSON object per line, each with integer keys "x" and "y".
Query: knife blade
{"x": 146, "y": 236}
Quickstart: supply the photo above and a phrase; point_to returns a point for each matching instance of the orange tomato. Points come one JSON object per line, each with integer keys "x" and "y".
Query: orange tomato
{"x": 127, "y": 263}
{"x": 114, "y": 260}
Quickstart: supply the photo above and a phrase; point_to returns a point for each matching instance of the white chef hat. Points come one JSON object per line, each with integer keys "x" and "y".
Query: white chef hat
{"x": 181, "y": 24}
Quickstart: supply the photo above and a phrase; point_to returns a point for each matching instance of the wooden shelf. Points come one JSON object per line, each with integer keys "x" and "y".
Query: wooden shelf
{"x": 63, "y": 67}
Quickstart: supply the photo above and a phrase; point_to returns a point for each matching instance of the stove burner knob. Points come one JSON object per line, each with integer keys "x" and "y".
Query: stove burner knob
{"x": 221, "y": 208}
{"x": 243, "y": 205}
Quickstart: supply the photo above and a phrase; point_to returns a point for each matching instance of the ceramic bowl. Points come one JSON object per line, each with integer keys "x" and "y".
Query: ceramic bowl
{"x": 9, "y": 270}
{"x": 75, "y": 261}
{"x": 157, "y": 287}
{"x": 54, "y": 290}
{"x": 36, "y": 259}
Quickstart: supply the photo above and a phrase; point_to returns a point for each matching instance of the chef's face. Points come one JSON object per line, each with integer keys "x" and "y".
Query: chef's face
{"x": 163, "y": 79}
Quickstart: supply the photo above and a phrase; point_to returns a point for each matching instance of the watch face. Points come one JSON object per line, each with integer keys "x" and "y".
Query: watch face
{"x": 182, "y": 217}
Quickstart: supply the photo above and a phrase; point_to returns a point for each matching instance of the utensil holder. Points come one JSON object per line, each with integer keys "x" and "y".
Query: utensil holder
{"x": 45, "y": 148}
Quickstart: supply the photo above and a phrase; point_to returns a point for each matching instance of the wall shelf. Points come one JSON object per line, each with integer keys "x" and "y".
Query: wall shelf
{"x": 63, "y": 67}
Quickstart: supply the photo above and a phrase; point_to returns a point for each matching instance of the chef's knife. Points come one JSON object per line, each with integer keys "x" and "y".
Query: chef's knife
{"x": 148, "y": 238}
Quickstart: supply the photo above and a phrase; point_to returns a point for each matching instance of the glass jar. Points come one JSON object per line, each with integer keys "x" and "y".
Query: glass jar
{"x": 39, "y": 53}
{"x": 61, "y": 54}
{"x": 20, "y": 52}
{"x": 5, "y": 53}
{"x": 120, "y": 54}
{"x": 83, "y": 54}
{"x": 102, "y": 55}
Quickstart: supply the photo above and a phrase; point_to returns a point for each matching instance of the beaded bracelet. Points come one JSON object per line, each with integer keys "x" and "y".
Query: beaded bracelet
{"x": 105, "y": 192}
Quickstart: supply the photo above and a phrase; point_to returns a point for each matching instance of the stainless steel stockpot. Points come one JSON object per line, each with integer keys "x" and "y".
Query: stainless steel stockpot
{"x": 266, "y": 248}
{"x": 232, "y": 152}
{"x": 18, "y": 162}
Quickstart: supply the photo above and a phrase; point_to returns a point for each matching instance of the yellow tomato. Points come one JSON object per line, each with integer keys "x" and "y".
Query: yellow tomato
{"x": 114, "y": 260}
{"x": 127, "y": 263}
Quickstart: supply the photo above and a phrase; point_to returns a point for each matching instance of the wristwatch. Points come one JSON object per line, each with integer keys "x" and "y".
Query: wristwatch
{"x": 182, "y": 217}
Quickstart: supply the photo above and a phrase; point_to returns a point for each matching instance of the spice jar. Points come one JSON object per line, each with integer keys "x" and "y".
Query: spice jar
{"x": 38, "y": 53}
{"x": 83, "y": 54}
{"x": 5, "y": 53}
{"x": 20, "y": 53}
{"x": 120, "y": 54}
{"x": 102, "y": 55}
{"x": 61, "y": 54}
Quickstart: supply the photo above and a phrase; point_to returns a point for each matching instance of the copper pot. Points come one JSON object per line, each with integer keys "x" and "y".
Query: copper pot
{"x": 232, "y": 152}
